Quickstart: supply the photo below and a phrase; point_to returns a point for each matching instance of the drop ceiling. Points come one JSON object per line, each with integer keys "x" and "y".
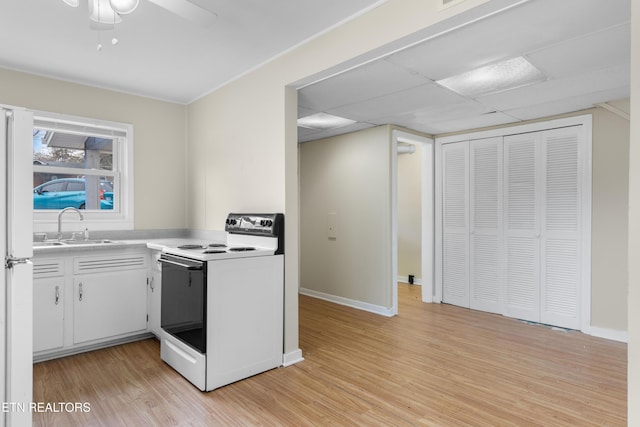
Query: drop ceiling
{"x": 582, "y": 46}
{"x": 159, "y": 54}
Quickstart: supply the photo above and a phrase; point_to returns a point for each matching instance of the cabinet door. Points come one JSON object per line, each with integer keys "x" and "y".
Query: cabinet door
{"x": 455, "y": 219}
{"x": 153, "y": 302}
{"x": 562, "y": 151}
{"x": 48, "y": 314}
{"x": 109, "y": 304}
{"x": 522, "y": 226}
{"x": 485, "y": 243}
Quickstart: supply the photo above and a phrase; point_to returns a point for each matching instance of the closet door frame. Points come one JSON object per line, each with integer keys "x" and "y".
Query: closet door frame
{"x": 582, "y": 120}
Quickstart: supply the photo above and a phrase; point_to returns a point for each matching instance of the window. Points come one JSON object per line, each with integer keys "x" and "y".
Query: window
{"x": 85, "y": 164}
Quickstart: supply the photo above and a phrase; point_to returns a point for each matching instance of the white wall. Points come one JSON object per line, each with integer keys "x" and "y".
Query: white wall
{"x": 159, "y": 138}
{"x": 609, "y": 219}
{"x": 409, "y": 214}
{"x": 349, "y": 176}
{"x": 251, "y": 121}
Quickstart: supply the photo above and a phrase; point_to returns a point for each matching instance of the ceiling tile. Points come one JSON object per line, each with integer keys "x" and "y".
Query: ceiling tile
{"x": 522, "y": 29}
{"x": 594, "y": 51}
{"x": 565, "y": 105}
{"x": 333, "y": 132}
{"x": 370, "y": 81}
{"x": 471, "y": 122}
{"x": 555, "y": 90}
{"x": 407, "y": 101}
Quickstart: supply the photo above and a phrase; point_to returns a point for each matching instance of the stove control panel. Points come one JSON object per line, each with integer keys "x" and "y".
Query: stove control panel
{"x": 255, "y": 224}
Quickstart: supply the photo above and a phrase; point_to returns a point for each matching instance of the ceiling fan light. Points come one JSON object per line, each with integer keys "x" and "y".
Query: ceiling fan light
{"x": 124, "y": 7}
{"x": 100, "y": 11}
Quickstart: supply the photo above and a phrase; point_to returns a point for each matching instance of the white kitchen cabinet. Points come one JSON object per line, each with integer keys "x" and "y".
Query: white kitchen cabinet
{"x": 154, "y": 292}
{"x": 109, "y": 297}
{"x": 48, "y": 304}
{"x": 113, "y": 309}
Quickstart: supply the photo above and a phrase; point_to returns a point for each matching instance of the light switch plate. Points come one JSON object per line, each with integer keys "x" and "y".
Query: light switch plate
{"x": 332, "y": 231}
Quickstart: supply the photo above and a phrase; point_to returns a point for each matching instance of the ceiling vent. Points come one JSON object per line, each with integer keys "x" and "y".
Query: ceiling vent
{"x": 448, "y": 3}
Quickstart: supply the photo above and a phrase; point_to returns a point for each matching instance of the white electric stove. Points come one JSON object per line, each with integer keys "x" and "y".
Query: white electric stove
{"x": 222, "y": 303}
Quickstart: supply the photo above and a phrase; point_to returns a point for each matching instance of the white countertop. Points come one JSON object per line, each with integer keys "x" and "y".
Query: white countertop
{"x": 150, "y": 243}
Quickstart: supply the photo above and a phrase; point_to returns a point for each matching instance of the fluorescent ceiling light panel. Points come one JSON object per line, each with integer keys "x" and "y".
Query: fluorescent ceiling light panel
{"x": 498, "y": 77}
{"x": 324, "y": 121}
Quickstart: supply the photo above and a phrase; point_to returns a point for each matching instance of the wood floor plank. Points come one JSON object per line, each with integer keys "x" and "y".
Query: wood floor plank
{"x": 432, "y": 365}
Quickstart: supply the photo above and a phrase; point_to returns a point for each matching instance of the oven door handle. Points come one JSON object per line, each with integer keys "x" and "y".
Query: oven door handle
{"x": 179, "y": 264}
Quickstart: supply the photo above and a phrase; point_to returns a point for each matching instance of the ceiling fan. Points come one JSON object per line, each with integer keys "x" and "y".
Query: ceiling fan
{"x": 110, "y": 12}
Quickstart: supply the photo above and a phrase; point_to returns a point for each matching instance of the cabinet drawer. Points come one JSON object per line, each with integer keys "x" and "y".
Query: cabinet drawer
{"x": 48, "y": 267}
{"x": 83, "y": 265}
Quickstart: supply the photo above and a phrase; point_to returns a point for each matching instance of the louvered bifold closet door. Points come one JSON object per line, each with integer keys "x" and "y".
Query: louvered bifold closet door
{"x": 455, "y": 219}
{"x": 485, "y": 243}
{"x": 562, "y": 152}
{"x": 522, "y": 189}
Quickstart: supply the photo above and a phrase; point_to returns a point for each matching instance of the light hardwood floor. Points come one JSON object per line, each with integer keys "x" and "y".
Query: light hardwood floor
{"x": 435, "y": 365}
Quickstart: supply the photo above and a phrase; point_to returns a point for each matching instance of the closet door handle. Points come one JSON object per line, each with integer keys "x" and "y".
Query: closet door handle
{"x": 57, "y": 295}
{"x": 80, "y": 292}
{"x": 151, "y": 285}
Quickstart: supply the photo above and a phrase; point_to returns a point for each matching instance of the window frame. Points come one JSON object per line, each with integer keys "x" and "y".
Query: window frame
{"x": 122, "y": 215}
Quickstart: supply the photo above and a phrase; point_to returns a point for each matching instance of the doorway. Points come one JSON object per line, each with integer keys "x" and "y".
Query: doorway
{"x": 424, "y": 149}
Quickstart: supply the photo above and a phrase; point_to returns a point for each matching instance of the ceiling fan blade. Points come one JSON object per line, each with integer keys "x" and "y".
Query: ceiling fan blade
{"x": 188, "y": 10}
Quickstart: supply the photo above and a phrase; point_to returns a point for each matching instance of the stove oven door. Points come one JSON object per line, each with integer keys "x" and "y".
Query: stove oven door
{"x": 184, "y": 297}
{"x": 183, "y": 317}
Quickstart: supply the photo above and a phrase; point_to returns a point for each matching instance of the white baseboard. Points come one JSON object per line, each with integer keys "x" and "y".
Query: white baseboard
{"x": 292, "y": 358}
{"x": 383, "y": 311}
{"x": 405, "y": 279}
{"x": 610, "y": 334}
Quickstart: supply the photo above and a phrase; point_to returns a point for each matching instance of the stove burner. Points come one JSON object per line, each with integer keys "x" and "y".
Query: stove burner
{"x": 190, "y": 247}
{"x": 217, "y": 245}
{"x": 242, "y": 249}
{"x": 214, "y": 251}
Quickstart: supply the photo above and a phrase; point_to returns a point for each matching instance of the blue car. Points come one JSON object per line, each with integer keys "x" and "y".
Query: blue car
{"x": 69, "y": 192}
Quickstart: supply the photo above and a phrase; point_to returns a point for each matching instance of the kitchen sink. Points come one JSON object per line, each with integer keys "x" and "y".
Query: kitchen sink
{"x": 88, "y": 242}
{"x": 43, "y": 244}
{"x": 49, "y": 243}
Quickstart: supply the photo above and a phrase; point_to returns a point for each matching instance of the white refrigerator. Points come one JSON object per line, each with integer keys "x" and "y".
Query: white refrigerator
{"x": 16, "y": 286}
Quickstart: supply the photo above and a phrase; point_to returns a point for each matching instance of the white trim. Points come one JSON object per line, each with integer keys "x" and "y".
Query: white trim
{"x": 517, "y": 129}
{"x": 365, "y": 306}
{"x": 427, "y": 241}
{"x": 609, "y": 334}
{"x": 614, "y": 110}
{"x": 292, "y": 358}
{"x": 437, "y": 270}
{"x": 582, "y": 120}
{"x": 405, "y": 44}
{"x": 587, "y": 189}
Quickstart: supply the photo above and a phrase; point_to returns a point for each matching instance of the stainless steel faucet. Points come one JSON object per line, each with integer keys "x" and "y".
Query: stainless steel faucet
{"x": 60, "y": 219}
